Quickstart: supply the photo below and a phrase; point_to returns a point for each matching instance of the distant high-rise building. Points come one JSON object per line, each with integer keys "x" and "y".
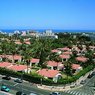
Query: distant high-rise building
{"x": 46, "y": 34}
{"x": 23, "y": 33}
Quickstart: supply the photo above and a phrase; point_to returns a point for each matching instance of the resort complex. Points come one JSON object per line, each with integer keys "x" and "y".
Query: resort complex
{"x": 47, "y": 47}
{"x": 68, "y": 60}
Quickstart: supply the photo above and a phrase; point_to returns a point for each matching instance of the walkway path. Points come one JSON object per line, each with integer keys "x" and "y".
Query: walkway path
{"x": 67, "y": 87}
{"x": 86, "y": 89}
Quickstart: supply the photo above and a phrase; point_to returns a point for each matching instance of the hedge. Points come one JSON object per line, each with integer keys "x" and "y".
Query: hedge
{"x": 76, "y": 77}
{"x": 35, "y": 78}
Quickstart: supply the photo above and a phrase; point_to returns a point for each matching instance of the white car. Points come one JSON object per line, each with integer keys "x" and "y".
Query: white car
{"x": 18, "y": 80}
{"x": 32, "y": 94}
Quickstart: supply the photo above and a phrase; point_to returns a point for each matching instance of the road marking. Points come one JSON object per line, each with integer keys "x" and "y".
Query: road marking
{"x": 32, "y": 91}
{"x": 16, "y": 84}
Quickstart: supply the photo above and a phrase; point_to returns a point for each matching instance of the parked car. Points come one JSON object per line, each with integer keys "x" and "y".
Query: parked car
{"x": 6, "y": 77}
{"x": 72, "y": 86}
{"x": 93, "y": 73}
{"x": 83, "y": 82}
{"x": 20, "y": 93}
{"x": 5, "y": 88}
{"x": 32, "y": 94}
{"x": 90, "y": 76}
{"x": 18, "y": 80}
{"x": 55, "y": 93}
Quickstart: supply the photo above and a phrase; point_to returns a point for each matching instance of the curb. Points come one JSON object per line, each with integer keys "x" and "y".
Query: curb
{"x": 57, "y": 88}
{"x": 5, "y": 93}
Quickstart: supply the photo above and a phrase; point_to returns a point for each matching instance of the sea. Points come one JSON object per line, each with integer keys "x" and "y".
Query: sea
{"x": 43, "y": 30}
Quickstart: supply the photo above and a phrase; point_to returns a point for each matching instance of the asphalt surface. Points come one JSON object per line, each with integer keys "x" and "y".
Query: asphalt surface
{"x": 26, "y": 87}
{"x": 87, "y": 89}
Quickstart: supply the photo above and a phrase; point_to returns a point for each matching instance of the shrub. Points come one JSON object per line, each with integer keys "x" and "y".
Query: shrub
{"x": 35, "y": 78}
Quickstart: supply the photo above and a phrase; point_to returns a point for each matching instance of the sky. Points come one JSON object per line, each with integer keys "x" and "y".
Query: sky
{"x": 47, "y": 14}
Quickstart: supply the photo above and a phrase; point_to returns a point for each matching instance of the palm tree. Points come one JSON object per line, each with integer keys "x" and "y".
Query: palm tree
{"x": 43, "y": 48}
{"x": 54, "y": 57}
{"x": 5, "y": 48}
{"x": 13, "y": 49}
{"x": 27, "y": 55}
{"x": 68, "y": 68}
{"x": 90, "y": 61}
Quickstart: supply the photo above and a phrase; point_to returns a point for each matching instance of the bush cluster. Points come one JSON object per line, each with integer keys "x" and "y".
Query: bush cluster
{"x": 35, "y": 78}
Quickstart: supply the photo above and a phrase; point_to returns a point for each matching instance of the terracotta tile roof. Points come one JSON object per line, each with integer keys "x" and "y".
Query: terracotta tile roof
{"x": 9, "y": 56}
{"x": 48, "y": 73}
{"x": 64, "y": 49}
{"x": 27, "y": 42}
{"x": 64, "y": 56}
{"x": 35, "y": 60}
{"x": 55, "y": 51}
{"x": 78, "y": 50}
{"x": 76, "y": 66}
{"x": 67, "y": 53}
{"x": 18, "y": 67}
{"x": 16, "y": 57}
{"x": 2, "y": 56}
{"x": 81, "y": 59}
{"x": 18, "y": 42}
{"x": 5, "y": 64}
{"x": 92, "y": 47}
{"x": 53, "y": 63}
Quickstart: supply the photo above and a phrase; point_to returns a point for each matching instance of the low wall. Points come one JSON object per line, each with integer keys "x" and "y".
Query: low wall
{"x": 66, "y": 87}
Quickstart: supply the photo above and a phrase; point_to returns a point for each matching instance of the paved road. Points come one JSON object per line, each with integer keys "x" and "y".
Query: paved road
{"x": 87, "y": 89}
{"x": 26, "y": 87}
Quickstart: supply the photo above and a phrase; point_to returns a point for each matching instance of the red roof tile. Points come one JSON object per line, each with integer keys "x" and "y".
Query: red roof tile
{"x": 35, "y": 60}
{"x": 16, "y": 57}
{"x": 2, "y": 56}
{"x": 64, "y": 49}
{"x": 64, "y": 56}
{"x": 76, "y": 66}
{"x": 67, "y": 53}
{"x": 5, "y": 64}
{"x": 82, "y": 59}
{"x": 48, "y": 73}
{"x": 18, "y": 42}
{"x": 18, "y": 67}
{"x": 27, "y": 42}
{"x": 53, "y": 63}
{"x": 92, "y": 47}
{"x": 55, "y": 51}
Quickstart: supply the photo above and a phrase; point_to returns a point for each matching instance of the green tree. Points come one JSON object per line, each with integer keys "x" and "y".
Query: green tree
{"x": 42, "y": 48}
{"x": 12, "y": 49}
{"x": 4, "y": 48}
{"x": 68, "y": 68}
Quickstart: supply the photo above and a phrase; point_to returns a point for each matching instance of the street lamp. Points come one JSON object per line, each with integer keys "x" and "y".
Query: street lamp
{"x": 2, "y": 82}
{"x": 22, "y": 80}
{"x": 94, "y": 84}
{"x": 41, "y": 81}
